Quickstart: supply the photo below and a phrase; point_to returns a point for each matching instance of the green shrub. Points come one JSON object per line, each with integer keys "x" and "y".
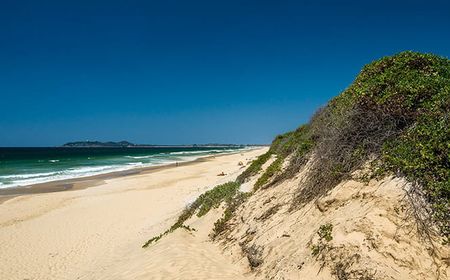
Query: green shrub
{"x": 422, "y": 155}
{"x": 325, "y": 236}
{"x": 297, "y": 145}
{"x": 213, "y": 198}
{"x": 325, "y": 231}
{"x": 295, "y": 142}
{"x": 205, "y": 202}
{"x": 254, "y": 167}
{"x": 231, "y": 207}
{"x": 273, "y": 168}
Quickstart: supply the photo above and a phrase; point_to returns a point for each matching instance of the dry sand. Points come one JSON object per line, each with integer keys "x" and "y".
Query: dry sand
{"x": 374, "y": 236}
{"x": 97, "y": 232}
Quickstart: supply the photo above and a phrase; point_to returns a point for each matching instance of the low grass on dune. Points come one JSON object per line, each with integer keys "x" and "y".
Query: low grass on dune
{"x": 201, "y": 206}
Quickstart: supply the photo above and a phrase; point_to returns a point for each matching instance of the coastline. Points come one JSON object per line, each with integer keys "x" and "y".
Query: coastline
{"x": 95, "y": 180}
{"x": 86, "y": 232}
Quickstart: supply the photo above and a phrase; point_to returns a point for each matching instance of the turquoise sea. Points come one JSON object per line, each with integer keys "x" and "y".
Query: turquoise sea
{"x": 27, "y": 166}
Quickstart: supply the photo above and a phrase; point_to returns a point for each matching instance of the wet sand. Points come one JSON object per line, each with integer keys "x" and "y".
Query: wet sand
{"x": 95, "y": 180}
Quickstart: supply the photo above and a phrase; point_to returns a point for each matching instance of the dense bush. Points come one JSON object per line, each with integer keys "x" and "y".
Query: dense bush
{"x": 422, "y": 155}
{"x": 292, "y": 143}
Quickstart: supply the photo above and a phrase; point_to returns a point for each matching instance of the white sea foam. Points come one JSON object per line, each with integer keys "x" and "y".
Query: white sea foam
{"x": 76, "y": 172}
{"x": 189, "y": 152}
{"x": 135, "y": 163}
{"x": 138, "y": 157}
{"x": 71, "y": 173}
{"x": 16, "y": 180}
{"x": 206, "y": 152}
{"x": 90, "y": 169}
{"x": 26, "y": 176}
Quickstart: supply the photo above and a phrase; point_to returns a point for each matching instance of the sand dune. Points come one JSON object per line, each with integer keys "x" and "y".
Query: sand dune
{"x": 180, "y": 255}
{"x": 373, "y": 234}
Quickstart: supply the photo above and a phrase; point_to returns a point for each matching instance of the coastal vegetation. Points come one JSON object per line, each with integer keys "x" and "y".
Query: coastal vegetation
{"x": 392, "y": 120}
{"x": 325, "y": 236}
{"x": 201, "y": 206}
{"x": 230, "y": 209}
{"x": 273, "y": 168}
{"x": 254, "y": 167}
{"x": 395, "y": 115}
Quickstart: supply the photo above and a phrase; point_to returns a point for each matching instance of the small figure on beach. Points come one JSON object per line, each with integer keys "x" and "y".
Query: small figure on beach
{"x": 221, "y": 174}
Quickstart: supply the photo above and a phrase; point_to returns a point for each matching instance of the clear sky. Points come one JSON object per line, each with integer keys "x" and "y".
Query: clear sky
{"x": 172, "y": 72}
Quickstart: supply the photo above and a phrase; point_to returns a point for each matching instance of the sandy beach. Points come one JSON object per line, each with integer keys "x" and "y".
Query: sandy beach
{"x": 96, "y": 231}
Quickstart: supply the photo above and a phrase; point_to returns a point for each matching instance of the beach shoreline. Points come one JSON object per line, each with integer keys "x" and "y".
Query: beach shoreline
{"x": 98, "y": 179}
{"x": 86, "y": 232}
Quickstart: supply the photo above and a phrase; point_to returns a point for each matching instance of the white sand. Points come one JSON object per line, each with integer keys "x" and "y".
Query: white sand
{"x": 374, "y": 235}
{"x": 97, "y": 233}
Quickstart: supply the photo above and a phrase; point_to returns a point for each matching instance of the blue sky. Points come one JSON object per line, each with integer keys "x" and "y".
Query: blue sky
{"x": 172, "y": 72}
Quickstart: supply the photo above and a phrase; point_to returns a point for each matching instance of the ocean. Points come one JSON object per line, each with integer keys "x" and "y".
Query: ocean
{"x": 28, "y": 166}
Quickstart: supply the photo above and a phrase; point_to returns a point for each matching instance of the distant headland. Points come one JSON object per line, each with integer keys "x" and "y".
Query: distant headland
{"x": 126, "y": 144}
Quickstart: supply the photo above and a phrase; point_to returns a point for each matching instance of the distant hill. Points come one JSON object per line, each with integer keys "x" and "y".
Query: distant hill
{"x": 122, "y": 144}
{"x": 99, "y": 144}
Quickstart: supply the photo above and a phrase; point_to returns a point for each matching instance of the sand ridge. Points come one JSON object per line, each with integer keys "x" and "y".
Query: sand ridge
{"x": 373, "y": 235}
